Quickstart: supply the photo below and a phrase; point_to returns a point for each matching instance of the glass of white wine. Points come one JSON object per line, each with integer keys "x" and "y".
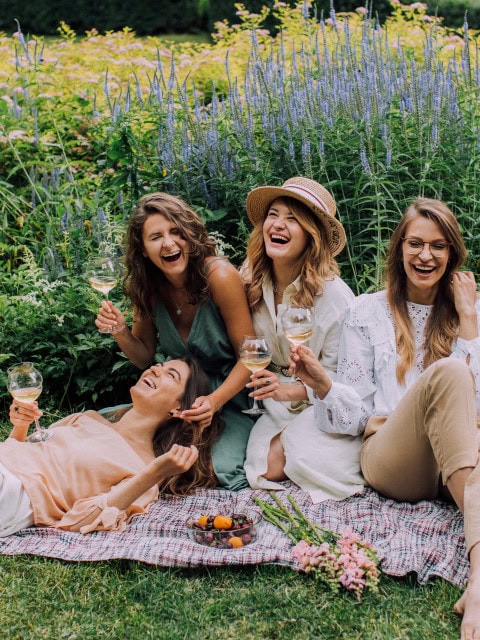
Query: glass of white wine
{"x": 255, "y": 355}
{"x": 297, "y": 324}
{"x": 103, "y": 273}
{"x": 25, "y": 384}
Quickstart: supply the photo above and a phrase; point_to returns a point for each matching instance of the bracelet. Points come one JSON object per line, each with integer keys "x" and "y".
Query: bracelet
{"x": 121, "y": 330}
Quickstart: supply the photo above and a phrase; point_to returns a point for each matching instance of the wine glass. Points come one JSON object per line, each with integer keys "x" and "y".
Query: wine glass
{"x": 25, "y": 384}
{"x": 103, "y": 273}
{"x": 297, "y": 325}
{"x": 255, "y": 355}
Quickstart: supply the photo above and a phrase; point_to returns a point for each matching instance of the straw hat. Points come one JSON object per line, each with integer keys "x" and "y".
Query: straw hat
{"x": 312, "y": 195}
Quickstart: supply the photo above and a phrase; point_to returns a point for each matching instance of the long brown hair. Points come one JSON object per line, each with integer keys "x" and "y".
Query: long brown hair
{"x": 176, "y": 431}
{"x": 317, "y": 263}
{"x": 143, "y": 280}
{"x": 442, "y": 323}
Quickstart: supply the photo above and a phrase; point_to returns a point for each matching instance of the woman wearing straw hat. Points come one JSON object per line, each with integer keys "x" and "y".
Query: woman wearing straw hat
{"x": 291, "y": 261}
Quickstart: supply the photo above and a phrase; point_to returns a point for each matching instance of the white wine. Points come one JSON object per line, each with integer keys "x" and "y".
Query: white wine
{"x": 104, "y": 284}
{"x": 26, "y": 394}
{"x": 298, "y": 335}
{"x": 255, "y": 363}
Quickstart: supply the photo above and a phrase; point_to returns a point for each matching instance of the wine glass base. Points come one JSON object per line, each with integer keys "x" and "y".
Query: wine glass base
{"x": 40, "y": 436}
{"x": 254, "y": 412}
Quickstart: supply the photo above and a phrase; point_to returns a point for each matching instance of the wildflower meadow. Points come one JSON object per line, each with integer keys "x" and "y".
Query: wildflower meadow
{"x": 378, "y": 113}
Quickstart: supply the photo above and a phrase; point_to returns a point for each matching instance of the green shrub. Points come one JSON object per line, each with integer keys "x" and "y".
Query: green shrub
{"x": 51, "y": 323}
{"x": 42, "y": 17}
{"x": 378, "y": 115}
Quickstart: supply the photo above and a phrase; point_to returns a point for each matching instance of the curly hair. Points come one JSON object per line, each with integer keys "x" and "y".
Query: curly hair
{"x": 317, "y": 262}
{"x": 442, "y": 324}
{"x": 176, "y": 431}
{"x": 144, "y": 281}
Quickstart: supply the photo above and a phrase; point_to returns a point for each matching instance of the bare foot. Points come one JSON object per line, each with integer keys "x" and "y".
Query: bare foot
{"x": 469, "y": 607}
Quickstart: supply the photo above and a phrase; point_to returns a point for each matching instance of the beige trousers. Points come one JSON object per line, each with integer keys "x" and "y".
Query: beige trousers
{"x": 431, "y": 434}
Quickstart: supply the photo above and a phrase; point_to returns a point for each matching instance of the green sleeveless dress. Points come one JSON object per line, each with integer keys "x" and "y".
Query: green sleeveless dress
{"x": 208, "y": 342}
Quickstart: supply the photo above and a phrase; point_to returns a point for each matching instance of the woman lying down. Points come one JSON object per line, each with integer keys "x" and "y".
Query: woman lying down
{"x": 94, "y": 475}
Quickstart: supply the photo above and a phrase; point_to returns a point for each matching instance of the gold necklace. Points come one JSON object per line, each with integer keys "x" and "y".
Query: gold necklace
{"x": 178, "y": 311}
{"x": 277, "y": 290}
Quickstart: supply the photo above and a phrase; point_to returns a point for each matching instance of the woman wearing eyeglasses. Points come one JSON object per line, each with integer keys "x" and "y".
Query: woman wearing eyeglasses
{"x": 409, "y": 378}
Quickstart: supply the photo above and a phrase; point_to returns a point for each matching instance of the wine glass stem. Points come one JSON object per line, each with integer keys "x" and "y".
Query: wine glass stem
{"x": 38, "y": 428}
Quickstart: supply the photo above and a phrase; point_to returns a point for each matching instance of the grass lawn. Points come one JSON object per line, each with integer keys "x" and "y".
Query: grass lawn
{"x": 50, "y": 599}
{"x": 46, "y": 599}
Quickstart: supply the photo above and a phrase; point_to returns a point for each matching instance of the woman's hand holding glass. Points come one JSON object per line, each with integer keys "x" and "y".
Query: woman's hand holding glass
{"x": 25, "y": 385}
{"x": 110, "y": 316}
{"x": 255, "y": 355}
{"x": 264, "y": 384}
{"x": 103, "y": 273}
{"x": 309, "y": 370}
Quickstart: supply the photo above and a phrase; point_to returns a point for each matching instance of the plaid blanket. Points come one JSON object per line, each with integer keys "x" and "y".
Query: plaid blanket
{"x": 425, "y": 538}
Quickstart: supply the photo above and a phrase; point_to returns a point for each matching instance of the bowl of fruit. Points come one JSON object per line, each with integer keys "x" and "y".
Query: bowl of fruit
{"x": 224, "y": 531}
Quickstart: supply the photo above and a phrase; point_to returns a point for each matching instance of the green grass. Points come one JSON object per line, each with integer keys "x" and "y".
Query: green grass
{"x": 47, "y": 599}
{"x": 50, "y": 599}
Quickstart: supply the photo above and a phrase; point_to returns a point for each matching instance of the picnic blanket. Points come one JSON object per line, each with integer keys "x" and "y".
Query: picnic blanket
{"x": 425, "y": 538}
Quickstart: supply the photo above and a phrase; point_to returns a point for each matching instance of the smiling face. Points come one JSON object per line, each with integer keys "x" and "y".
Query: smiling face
{"x": 161, "y": 387}
{"x": 284, "y": 237}
{"x": 424, "y": 271}
{"x": 164, "y": 245}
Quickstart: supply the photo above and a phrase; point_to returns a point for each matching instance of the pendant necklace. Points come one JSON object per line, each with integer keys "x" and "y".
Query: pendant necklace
{"x": 178, "y": 311}
{"x": 277, "y": 290}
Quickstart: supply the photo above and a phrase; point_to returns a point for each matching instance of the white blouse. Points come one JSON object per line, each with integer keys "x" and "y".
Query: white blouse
{"x": 329, "y": 310}
{"x": 366, "y": 382}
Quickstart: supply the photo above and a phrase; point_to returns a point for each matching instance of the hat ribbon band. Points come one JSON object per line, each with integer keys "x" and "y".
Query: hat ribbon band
{"x": 302, "y": 191}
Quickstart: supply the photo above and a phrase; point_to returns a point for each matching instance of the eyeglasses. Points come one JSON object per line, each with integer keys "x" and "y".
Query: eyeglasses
{"x": 438, "y": 249}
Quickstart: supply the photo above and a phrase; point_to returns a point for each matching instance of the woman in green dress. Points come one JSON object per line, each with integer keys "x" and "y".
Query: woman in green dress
{"x": 187, "y": 300}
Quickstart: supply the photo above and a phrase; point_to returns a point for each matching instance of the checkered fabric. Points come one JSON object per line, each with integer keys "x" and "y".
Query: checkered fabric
{"x": 425, "y": 538}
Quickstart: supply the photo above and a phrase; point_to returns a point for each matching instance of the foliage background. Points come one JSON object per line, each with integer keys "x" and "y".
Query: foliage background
{"x": 150, "y": 17}
{"x": 379, "y": 114}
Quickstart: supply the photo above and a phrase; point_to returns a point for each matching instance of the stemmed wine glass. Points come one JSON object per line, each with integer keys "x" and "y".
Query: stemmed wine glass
{"x": 25, "y": 384}
{"x": 255, "y": 354}
{"x": 297, "y": 324}
{"x": 103, "y": 273}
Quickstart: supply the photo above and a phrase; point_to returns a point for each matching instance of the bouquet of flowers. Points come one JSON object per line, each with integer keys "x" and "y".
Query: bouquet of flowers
{"x": 337, "y": 560}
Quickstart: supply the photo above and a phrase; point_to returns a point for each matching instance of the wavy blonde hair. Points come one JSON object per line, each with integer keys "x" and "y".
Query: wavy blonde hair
{"x": 316, "y": 265}
{"x": 442, "y": 324}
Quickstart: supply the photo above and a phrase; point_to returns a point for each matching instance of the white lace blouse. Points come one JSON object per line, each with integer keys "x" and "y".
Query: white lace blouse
{"x": 366, "y": 382}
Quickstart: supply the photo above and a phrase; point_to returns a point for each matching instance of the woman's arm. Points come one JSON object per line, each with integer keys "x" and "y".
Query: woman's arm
{"x": 467, "y": 345}
{"x": 351, "y": 398}
{"x": 139, "y": 343}
{"x": 465, "y": 297}
{"x": 228, "y": 293}
{"x": 111, "y": 511}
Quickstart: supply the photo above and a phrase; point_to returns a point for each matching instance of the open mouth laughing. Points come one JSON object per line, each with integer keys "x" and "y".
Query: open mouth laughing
{"x": 423, "y": 270}
{"x": 172, "y": 257}
{"x": 150, "y": 381}
{"x": 277, "y": 238}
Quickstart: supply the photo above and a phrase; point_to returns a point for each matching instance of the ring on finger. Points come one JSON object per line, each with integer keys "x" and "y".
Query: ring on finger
{"x": 16, "y": 408}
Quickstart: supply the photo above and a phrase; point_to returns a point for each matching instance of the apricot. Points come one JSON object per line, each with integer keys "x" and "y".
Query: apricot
{"x": 222, "y": 522}
{"x": 235, "y": 542}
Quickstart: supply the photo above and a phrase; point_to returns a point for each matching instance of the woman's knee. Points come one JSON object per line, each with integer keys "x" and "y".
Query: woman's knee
{"x": 276, "y": 461}
{"x": 450, "y": 372}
